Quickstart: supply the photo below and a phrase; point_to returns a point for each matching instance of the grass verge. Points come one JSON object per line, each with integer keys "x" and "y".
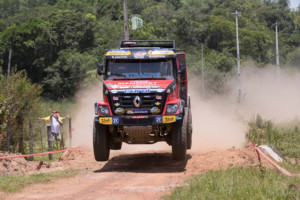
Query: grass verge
{"x": 14, "y": 183}
{"x": 285, "y": 137}
{"x": 239, "y": 183}
{"x": 55, "y": 157}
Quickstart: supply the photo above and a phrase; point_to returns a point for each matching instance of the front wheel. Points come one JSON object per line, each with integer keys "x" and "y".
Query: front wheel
{"x": 179, "y": 139}
{"x": 100, "y": 142}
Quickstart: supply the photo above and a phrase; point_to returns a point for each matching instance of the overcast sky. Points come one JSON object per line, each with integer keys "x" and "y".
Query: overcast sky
{"x": 294, "y": 3}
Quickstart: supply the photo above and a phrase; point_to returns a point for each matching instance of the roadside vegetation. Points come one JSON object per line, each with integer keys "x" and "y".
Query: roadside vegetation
{"x": 285, "y": 137}
{"x": 14, "y": 183}
{"x": 251, "y": 183}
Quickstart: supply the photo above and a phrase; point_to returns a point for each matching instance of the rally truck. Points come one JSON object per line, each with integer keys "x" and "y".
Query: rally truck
{"x": 145, "y": 98}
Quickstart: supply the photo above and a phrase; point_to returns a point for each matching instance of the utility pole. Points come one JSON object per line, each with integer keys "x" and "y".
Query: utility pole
{"x": 277, "y": 49}
{"x": 202, "y": 73}
{"x": 8, "y": 121}
{"x": 238, "y": 54}
{"x": 126, "y": 30}
{"x": 9, "y": 62}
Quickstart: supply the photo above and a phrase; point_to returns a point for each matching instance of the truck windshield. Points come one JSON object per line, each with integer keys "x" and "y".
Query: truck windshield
{"x": 139, "y": 69}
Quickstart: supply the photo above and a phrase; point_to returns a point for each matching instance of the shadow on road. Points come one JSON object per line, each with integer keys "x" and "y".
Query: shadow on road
{"x": 145, "y": 163}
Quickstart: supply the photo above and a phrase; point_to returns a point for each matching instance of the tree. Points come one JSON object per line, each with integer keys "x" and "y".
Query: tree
{"x": 19, "y": 103}
{"x": 67, "y": 73}
{"x": 37, "y": 42}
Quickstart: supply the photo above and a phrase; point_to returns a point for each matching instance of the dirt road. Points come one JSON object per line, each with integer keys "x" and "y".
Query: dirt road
{"x": 142, "y": 175}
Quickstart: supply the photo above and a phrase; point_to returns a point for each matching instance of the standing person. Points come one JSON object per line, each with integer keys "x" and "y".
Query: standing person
{"x": 50, "y": 135}
{"x": 55, "y": 122}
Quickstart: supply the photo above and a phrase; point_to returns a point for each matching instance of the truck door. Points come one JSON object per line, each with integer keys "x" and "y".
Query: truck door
{"x": 183, "y": 87}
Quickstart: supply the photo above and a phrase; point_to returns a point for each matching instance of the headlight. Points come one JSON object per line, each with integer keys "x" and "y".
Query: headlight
{"x": 103, "y": 110}
{"x": 171, "y": 108}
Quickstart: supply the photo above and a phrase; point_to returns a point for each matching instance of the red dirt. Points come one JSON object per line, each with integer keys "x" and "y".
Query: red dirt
{"x": 142, "y": 175}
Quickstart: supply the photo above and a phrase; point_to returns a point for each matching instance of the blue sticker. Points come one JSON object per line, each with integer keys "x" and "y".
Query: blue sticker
{"x": 145, "y": 74}
{"x": 115, "y": 120}
{"x": 140, "y": 111}
{"x": 158, "y": 119}
{"x": 145, "y": 91}
{"x": 131, "y": 91}
{"x": 137, "y": 91}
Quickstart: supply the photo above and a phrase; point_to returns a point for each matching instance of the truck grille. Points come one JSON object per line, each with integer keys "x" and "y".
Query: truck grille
{"x": 133, "y": 101}
{"x": 147, "y": 100}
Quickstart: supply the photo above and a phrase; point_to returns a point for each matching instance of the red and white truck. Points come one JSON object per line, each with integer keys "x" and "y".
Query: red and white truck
{"x": 145, "y": 98}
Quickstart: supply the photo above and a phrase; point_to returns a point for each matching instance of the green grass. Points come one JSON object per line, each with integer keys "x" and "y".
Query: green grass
{"x": 13, "y": 183}
{"x": 292, "y": 167}
{"x": 284, "y": 137}
{"x": 239, "y": 183}
{"x": 55, "y": 157}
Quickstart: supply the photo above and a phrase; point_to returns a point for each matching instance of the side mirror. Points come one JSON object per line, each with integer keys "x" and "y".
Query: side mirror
{"x": 100, "y": 69}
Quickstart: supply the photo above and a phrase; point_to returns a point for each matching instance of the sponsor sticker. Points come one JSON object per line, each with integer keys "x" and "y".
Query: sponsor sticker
{"x": 139, "y": 55}
{"x": 105, "y": 120}
{"x": 131, "y": 91}
{"x": 169, "y": 119}
{"x": 145, "y": 91}
{"x": 139, "y": 117}
{"x": 118, "y": 53}
{"x": 119, "y": 111}
{"x": 137, "y": 91}
{"x": 115, "y": 98}
{"x": 155, "y": 110}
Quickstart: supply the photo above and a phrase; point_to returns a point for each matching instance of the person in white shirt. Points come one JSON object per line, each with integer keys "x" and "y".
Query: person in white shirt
{"x": 55, "y": 123}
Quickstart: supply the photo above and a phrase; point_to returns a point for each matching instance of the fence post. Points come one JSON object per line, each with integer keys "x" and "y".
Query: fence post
{"x": 50, "y": 148}
{"x": 70, "y": 132}
{"x": 8, "y": 136}
{"x": 30, "y": 140}
{"x": 42, "y": 145}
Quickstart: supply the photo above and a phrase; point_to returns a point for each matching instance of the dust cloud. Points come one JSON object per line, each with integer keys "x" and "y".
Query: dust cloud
{"x": 83, "y": 115}
{"x": 221, "y": 122}
{"x": 218, "y": 122}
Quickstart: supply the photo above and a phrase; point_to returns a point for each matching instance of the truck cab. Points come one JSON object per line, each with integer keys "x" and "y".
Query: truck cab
{"x": 145, "y": 98}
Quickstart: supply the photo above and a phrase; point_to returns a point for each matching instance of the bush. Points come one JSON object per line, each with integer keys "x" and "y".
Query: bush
{"x": 19, "y": 104}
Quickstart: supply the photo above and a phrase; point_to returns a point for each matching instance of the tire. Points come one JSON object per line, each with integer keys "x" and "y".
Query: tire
{"x": 115, "y": 145}
{"x": 179, "y": 139}
{"x": 189, "y": 129}
{"x": 100, "y": 142}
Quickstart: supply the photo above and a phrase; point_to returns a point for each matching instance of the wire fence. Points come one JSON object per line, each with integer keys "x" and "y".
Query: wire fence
{"x": 36, "y": 137}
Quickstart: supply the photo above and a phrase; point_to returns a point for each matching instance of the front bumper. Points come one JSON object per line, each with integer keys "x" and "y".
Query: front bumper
{"x": 138, "y": 120}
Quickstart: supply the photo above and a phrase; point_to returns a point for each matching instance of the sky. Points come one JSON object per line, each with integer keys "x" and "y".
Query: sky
{"x": 294, "y": 3}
